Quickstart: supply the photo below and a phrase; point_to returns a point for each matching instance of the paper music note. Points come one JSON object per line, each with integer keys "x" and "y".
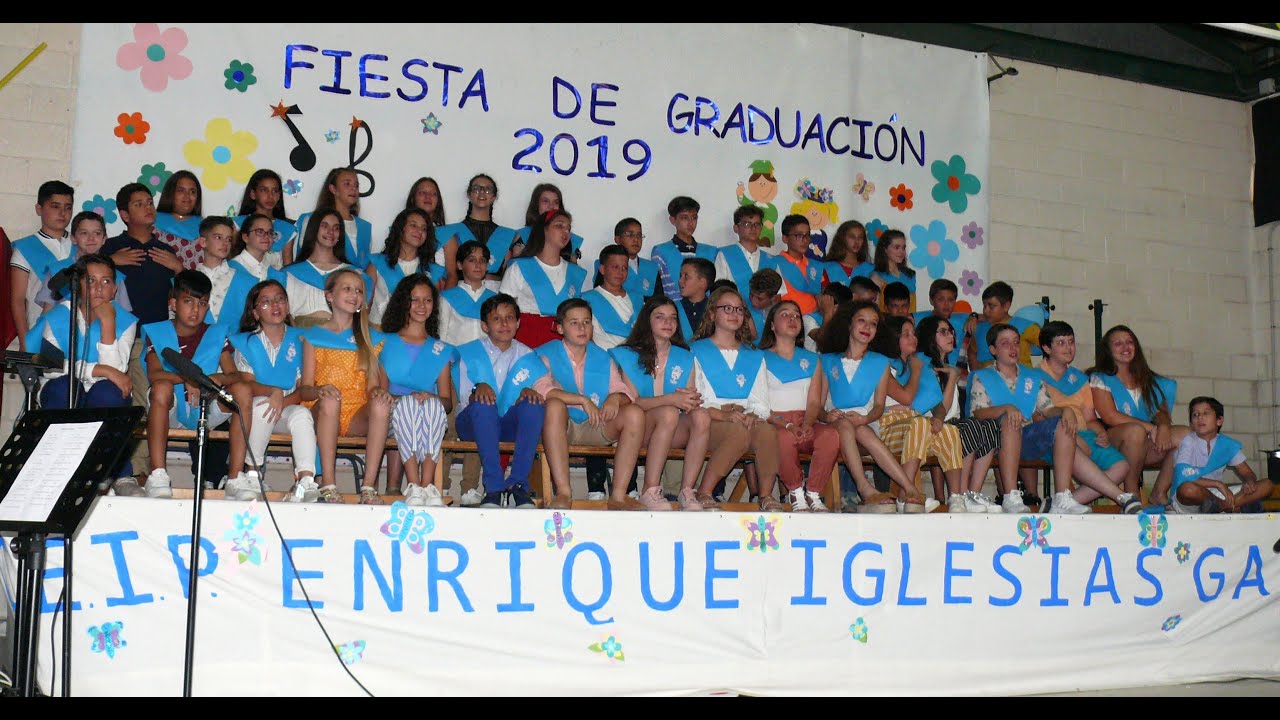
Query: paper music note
{"x": 45, "y": 474}
{"x": 302, "y": 157}
{"x": 356, "y": 126}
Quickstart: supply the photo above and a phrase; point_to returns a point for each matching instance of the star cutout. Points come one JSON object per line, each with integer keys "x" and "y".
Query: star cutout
{"x": 356, "y": 123}
{"x": 431, "y": 124}
{"x": 279, "y": 110}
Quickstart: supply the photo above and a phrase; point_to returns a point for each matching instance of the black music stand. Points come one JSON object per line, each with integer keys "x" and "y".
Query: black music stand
{"x": 105, "y": 452}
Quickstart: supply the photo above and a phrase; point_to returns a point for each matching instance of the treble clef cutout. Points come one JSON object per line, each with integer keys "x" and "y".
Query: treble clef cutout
{"x": 356, "y": 125}
{"x": 302, "y": 157}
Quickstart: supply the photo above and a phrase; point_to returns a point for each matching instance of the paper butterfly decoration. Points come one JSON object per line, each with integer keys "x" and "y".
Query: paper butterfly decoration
{"x": 106, "y": 637}
{"x": 559, "y": 531}
{"x": 352, "y": 652}
{"x": 863, "y": 188}
{"x": 292, "y": 187}
{"x": 1153, "y": 532}
{"x": 1033, "y": 530}
{"x": 762, "y": 536}
{"x": 408, "y": 526}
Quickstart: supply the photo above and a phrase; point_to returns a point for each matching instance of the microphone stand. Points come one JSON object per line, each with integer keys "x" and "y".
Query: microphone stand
{"x": 202, "y": 434}
{"x": 73, "y": 288}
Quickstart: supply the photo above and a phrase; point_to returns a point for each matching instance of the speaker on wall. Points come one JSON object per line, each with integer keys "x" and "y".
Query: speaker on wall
{"x": 1266, "y": 161}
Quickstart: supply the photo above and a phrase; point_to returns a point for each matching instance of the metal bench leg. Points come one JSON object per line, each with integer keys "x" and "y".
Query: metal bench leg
{"x": 357, "y": 467}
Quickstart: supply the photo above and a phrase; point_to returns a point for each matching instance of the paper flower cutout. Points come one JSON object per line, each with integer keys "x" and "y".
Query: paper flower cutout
{"x": 933, "y": 249}
{"x": 954, "y": 184}
{"x": 154, "y": 177}
{"x": 761, "y": 533}
{"x": 242, "y": 542}
{"x": 859, "y": 630}
{"x": 223, "y": 154}
{"x": 1182, "y": 552}
{"x": 431, "y": 124}
{"x": 292, "y": 187}
{"x": 1152, "y": 530}
{"x": 408, "y": 526}
{"x": 352, "y": 652}
{"x": 106, "y": 207}
{"x": 1033, "y": 530}
{"x": 106, "y": 638}
{"x": 971, "y": 235}
{"x": 131, "y": 128}
{"x": 1171, "y": 622}
{"x": 239, "y": 76}
{"x": 900, "y": 197}
{"x": 158, "y": 54}
{"x": 875, "y": 229}
{"x": 332, "y": 136}
{"x": 610, "y": 647}
{"x": 970, "y": 283}
{"x": 559, "y": 530}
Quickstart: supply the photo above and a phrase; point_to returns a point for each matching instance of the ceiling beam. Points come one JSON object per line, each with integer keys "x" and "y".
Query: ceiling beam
{"x": 1228, "y": 52}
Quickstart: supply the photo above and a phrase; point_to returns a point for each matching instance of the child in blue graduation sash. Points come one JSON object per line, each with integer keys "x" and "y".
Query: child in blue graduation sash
{"x": 588, "y": 403}
{"x": 801, "y": 271}
{"x": 178, "y": 216}
{"x": 251, "y": 251}
{"x": 494, "y": 378}
{"x": 174, "y": 401}
{"x": 482, "y": 193}
{"x": 545, "y": 198}
{"x": 847, "y": 256}
{"x": 997, "y": 298}
{"x": 741, "y": 260}
{"x": 410, "y": 249}
{"x": 269, "y": 354}
{"x": 321, "y": 254}
{"x": 416, "y": 362}
{"x": 642, "y": 275}
{"x": 88, "y": 235}
{"x": 731, "y": 377}
{"x": 460, "y": 305}
{"x": 105, "y": 337}
{"x": 340, "y": 192}
{"x": 1135, "y": 403}
{"x": 891, "y": 264}
{"x": 34, "y": 256}
{"x": 543, "y": 277}
{"x": 797, "y": 393}
{"x": 424, "y": 195}
{"x": 858, "y": 382}
{"x": 657, "y": 362}
{"x": 263, "y": 196}
{"x": 612, "y": 306}
{"x": 231, "y": 283}
{"x": 913, "y": 423}
{"x": 897, "y": 300}
{"x": 345, "y": 386}
{"x": 942, "y": 299}
{"x": 1202, "y": 456}
{"x": 762, "y": 295}
{"x": 697, "y": 275}
{"x": 1068, "y": 388}
{"x": 669, "y": 257}
{"x": 979, "y": 439}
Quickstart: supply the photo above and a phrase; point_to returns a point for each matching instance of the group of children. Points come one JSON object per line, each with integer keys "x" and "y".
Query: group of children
{"x": 326, "y": 328}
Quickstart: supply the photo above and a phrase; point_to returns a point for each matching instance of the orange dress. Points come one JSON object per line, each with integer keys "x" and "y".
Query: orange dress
{"x": 341, "y": 369}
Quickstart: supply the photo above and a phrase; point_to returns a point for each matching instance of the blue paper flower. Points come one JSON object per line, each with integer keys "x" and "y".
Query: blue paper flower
{"x": 1171, "y": 623}
{"x": 610, "y": 647}
{"x": 875, "y": 229}
{"x": 954, "y": 184}
{"x": 1182, "y": 552}
{"x": 933, "y": 249}
{"x": 859, "y": 630}
{"x": 103, "y": 206}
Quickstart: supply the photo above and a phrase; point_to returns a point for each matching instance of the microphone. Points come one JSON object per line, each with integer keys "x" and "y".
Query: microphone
{"x": 62, "y": 278}
{"x": 191, "y": 371}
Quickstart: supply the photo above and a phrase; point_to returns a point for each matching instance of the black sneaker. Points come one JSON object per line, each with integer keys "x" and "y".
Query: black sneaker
{"x": 1253, "y": 507}
{"x": 519, "y": 498}
{"x": 1211, "y": 505}
{"x": 492, "y": 500}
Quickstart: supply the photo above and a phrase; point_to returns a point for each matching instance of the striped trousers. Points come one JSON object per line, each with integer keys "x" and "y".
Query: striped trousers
{"x": 910, "y": 436}
{"x": 418, "y": 427}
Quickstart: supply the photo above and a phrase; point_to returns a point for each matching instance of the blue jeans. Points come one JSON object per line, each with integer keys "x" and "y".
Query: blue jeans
{"x": 522, "y": 425}
{"x": 56, "y": 395}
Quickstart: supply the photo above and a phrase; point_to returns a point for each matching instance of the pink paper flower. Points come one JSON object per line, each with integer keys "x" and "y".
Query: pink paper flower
{"x": 159, "y": 54}
{"x": 971, "y": 235}
{"x": 970, "y": 283}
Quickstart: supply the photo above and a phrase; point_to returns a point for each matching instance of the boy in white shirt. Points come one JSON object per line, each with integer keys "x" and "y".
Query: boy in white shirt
{"x": 231, "y": 283}
{"x": 33, "y": 255}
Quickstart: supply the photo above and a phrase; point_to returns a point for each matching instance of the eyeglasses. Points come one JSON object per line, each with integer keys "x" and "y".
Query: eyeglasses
{"x": 806, "y": 236}
{"x": 751, "y": 225}
{"x": 733, "y": 309}
{"x": 946, "y": 330}
{"x": 263, "y": 232}
{"x": 482, "y": 190}
{"x": 266, "y": 303}
{"x": 633, "y": 234}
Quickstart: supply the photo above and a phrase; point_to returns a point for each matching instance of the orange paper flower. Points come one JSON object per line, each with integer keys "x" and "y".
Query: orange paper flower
{"x": 900, "y": 197}
{"x": 132, "y": 128}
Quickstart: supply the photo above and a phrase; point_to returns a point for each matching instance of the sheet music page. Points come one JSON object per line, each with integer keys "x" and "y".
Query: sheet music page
{"x": 45, "y": 474}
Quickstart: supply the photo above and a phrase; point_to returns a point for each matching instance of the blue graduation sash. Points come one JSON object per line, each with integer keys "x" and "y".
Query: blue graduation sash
{"x": 284, "y": 230}
{"x": 462, "y": 303}
{"x": 1024, "y": 395}
{"x": 736, "y": 258}
{"x": 58, "y": 318}
{"x": 322, "y": 338}
{"x": 673, "y": 258}
{"x": 233, "y": 304}
{"x": 163, "y": 335}
{"x": 909, "y": 281}
{"x": 855, "y": 392}
{"x": 675, "y": 374}
{"x": 836, "y": 272}
{"x": 548, "y": 299}
{"x": 1221, "y": 453}
{"x": 808, "y": 282}
{"x": 686, "y": 327}
{"x": 523, "y": 373}
{"x": 188, "y": 229}
{"x": 606, "y": 315}
{"x": 730, "y": 383}
{"x": 1071, "y": 382}
{"x": 575, "y": 240}
{"x": 980, "y": 336}
{"x": 595, "y": 374}
{"x": 928, "y": 391}
{"x": 802, "y": 365}
{"x": 357, "y": 247}
{"x": 499, "y": 242}
{"x": 957, "y": 324}
{"x": 422, "y": 375}
{"x": 392, "y": 274}
{"x": 1166, "y": 388}
{"x": 39, "y": 257}
{"x": 307, "y": 273}
{"x": 757, "y": 317}
{"x": 643, "y": 283}
{"x": 284, "y": 373}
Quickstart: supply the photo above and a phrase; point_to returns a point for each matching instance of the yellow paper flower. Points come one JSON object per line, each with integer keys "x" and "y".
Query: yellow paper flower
{"x": 222, "y": 154}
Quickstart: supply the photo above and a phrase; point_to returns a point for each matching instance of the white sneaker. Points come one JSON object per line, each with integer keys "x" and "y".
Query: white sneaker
{"x": 930, "y": 505}
{"x": 1065, "y": 504}
{"x": 815, "y": 502}
{"x": 597, "y": 496}
{"x": 243, "y": 487}
{"x": 472, "y": 497}
{"x": 955, "y": 503}
{"x": 797, "y": 500}
{"x": 977, "y": 502}
{"x": 1013, "y": 502}
{"x": 158, "y": 485}
{"x": 634, "y": 494}
{"x": 1129, "y": 504}
{"x": 127, "y": 487}
{"x": 415, "y": 495}
{"x": 431, "y": 496}
{"x": 304, "y": 490}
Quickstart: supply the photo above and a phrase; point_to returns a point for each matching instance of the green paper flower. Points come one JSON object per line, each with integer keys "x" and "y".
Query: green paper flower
{"x": 239, "y": 76}
{"x": 154, "y": 177}
{"x": 954, "y": 184}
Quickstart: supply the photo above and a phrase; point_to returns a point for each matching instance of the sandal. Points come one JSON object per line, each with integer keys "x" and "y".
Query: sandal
{"x": 878, "y": 502}
{"x": 913, "y": 504}
{"x": 707, "y": 502}
{"x": 369, "y": 496}
{"x": 768, "y": 504}
{"x": 329, "y": 494}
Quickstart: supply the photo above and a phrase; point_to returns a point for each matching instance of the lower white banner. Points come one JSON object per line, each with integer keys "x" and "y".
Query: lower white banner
{"x": 505, "y": 602}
